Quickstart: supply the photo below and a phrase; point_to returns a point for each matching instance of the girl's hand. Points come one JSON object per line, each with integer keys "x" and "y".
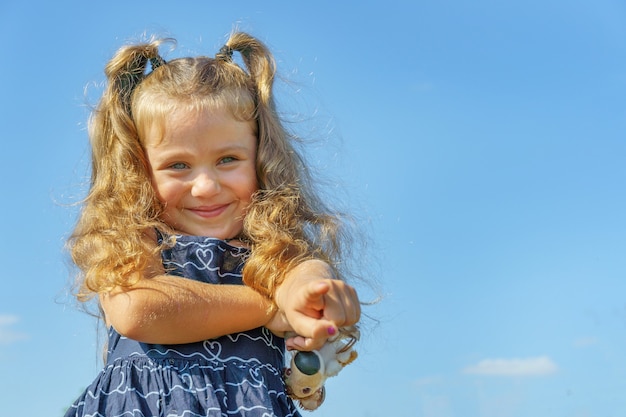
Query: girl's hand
{"x": 315, "y": 304}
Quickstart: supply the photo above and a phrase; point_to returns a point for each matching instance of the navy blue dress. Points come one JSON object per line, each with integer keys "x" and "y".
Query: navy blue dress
{"x": 235, "y": 375}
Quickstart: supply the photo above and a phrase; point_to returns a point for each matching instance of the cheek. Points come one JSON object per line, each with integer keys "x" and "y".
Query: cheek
{"x": 252, "y": 188}
{"x": 246, "y": 184}
{"x": 167, "y": 192}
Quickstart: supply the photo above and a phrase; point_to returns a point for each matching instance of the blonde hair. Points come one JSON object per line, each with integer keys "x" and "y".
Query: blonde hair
{"x": 287, "y": 221}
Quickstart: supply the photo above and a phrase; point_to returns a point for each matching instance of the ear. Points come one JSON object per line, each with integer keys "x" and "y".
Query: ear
{"x": 314, "y": 401}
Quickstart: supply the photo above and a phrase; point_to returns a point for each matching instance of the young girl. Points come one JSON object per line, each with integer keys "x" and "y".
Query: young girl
{"x": 195, "y": 183}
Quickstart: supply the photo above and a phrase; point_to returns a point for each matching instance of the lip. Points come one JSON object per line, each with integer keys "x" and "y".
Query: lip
{"x": 208, "y": 212}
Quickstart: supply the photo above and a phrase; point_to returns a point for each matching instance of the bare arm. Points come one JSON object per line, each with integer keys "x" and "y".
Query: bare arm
{"x": 168, "y": 309}
{"x": 172, "y": 310}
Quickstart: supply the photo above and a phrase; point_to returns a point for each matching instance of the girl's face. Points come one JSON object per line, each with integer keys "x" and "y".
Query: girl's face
{"x": 203, "y": 171}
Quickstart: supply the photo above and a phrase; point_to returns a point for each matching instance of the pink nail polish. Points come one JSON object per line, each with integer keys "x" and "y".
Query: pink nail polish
{"x": 331, "y": 330}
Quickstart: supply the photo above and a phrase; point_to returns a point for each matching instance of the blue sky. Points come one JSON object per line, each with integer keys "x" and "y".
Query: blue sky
{"x": 482, "y": 144}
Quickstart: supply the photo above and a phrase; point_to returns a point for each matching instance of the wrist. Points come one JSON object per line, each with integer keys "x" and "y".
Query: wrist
{"x": 269, "y": 307}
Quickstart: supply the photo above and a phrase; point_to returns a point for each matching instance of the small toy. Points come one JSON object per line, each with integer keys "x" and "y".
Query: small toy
{"x": 308, "y": 371}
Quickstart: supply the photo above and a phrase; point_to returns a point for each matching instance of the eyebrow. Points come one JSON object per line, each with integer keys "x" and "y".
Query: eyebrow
{"x": 179, "y": 150}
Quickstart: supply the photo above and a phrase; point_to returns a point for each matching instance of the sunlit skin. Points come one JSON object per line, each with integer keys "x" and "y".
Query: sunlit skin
{"x": 203, "y": 171}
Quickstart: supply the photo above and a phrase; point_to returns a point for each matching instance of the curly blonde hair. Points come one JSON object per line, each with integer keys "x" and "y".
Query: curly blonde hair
{"x": 287, "y": 221}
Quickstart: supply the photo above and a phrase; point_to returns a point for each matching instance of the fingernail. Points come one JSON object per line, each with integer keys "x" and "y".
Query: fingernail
{"x": 332, "y": 330}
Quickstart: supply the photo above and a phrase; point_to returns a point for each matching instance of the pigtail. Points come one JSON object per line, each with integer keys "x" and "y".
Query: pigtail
{"x": 114, "y": 119}
{"x": 109, "y": 243}
{"x": 259, "y": 63}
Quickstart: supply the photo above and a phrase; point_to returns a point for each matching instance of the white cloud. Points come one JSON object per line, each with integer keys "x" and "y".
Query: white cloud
{"x": 538, "y": 366}
{"x": 7, "y": 335}
{"x": 7, "y": 319}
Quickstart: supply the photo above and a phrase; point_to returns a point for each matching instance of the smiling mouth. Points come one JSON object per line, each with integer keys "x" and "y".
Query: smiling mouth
{"x": 208, "y": 211}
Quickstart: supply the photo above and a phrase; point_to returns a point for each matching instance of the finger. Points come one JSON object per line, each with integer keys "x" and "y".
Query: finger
{"x": 342, "y": 305}
{"x": 353, "y": 309}
{"x": 311, "y": 333}
{"x": 307, "y": 326}
{"x": 304, "y": 343}
{"x": 315, "y": 293}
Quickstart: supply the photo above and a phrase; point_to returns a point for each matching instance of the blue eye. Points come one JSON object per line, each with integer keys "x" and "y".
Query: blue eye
{"x": 178, "y": 165}
{"x": 227, "y": 159}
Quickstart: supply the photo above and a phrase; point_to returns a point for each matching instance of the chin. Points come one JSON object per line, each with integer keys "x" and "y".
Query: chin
{"x": 218, "y": 233}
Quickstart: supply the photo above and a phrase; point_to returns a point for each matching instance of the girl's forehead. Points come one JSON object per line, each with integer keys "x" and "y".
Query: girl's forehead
{"x": 154, "y": 125}
{"x": 186, "y": 121}
{"x": 154, "y": 105}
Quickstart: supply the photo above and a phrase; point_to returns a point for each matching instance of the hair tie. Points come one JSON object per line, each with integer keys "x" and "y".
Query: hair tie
{"x": 225, "y": 54}
{"x": 156, "y": 62}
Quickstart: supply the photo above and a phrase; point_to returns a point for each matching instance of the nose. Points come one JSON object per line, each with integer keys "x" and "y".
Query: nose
{"x": 205, "y": 184}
